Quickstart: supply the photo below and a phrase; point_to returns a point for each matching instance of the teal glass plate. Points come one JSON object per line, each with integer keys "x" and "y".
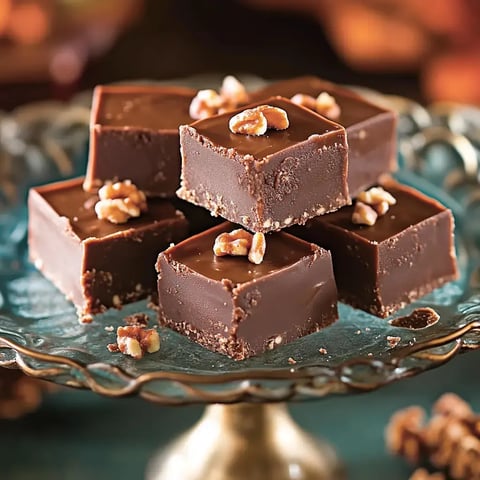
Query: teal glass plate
{"x": 40, "y": 333}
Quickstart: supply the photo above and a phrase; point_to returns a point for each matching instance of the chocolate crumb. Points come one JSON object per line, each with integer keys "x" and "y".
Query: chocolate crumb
{"x": 420, "y": 318}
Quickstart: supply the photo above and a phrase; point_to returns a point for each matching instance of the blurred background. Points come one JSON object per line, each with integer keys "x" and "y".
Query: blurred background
{"x": 53, "y": 48}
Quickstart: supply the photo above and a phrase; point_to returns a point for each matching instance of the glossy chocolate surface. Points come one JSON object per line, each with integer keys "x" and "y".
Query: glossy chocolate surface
{"x": 134, "y": 136}
{"x": 411, "y": 208}
{"x": 371, "y": 129}
{"x": 69, "y": 200}
{"x": 95, "y": 263}
{"x": 234, "y": 307}
{"x": 353, "y": 108}
{"x": 270, "y": 181}
{"x": 197, "y": 254}
{"x": 303, "y": 124}
{"x": 405, "y": 255}
{"x": 144, "y": 107}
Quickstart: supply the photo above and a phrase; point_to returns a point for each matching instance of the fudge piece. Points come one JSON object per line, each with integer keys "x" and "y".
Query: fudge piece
{"x": 269, "y": 181}
{"x": 238, "y": 308}
{"x": 371, "y": 130}
{"x": 134, "y": 135}
{"x": 407, "y": 253}
{"x": 95, "y": 263}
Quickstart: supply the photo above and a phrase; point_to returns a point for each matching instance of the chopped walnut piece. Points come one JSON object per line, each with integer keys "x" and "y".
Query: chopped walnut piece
{"x": 233, "y": 92}
{"x": 452, "y": 405}
{"x": 364, "y": 214}
{"x": 256, "y": 121}
{"x": 120, "y": 201}
{"x": 381, "y": 208}
{"x": 327, "y": 106}
{"x": 239, "y": 242}
{"x": 206, "y": 103}
{"x": 292, "y": 361}
{"x": 450, "y": 441}
{"x": 257, "y": 249}
{"x": 248, "y": 122}
{"x": 277, "y": 118}
{"x": 378, "y": 198}
{"x": 135, "y": 340}
{"x": 324, "y": 104}
{"x": 404, "y": 433}
{"x": 304, "y": 100}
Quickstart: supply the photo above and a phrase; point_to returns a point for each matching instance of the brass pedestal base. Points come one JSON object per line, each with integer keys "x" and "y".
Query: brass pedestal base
{"x": 246, "y": 441}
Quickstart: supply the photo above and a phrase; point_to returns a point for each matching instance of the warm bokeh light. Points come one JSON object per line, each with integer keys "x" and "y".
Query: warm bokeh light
{"x": 5, "y": 8}
{"x": 29, "y": 23}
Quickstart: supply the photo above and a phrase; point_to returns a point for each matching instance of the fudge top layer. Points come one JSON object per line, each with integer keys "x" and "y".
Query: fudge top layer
{"x": 411, "y": 208}
{"x": 69, "y": 200}
{"x": 145, "y": 107}
{"x": 303, "y": 124}
{"x": 196, "y": 253}
{"x": 354, "y": 108}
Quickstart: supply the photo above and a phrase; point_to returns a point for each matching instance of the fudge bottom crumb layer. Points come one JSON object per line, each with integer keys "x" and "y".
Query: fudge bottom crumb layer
{"x": 238, "y": 308}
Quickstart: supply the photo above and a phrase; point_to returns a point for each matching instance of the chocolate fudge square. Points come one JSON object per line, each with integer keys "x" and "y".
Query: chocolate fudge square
{"x": 269, "y": 181}
{"x": 134, "y": 135}
{"x": 371, "y": 129}
{"x": 95, "y": 263}
{"x": 406, "y": 254}
{"x": 238, "y": 308}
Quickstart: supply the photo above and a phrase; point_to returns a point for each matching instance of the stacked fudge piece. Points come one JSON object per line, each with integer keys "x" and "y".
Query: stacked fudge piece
{"x": 297, "y": 172}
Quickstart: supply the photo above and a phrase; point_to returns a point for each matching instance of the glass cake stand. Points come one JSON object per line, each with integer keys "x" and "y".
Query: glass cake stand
{"x": 246, "y": 431}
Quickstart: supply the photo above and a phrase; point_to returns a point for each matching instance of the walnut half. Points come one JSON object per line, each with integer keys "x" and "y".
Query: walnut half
{"x": 120, "y": 201}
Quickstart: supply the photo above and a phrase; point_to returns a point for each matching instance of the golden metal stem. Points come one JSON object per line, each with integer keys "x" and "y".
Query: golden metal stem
{"x": 246, "y": 441}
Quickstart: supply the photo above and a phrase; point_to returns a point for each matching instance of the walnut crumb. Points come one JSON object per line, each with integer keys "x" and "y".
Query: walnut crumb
{"x": 393, "y": 341}
{"x": 291, "y": 361}
{"x": 323, "y": 351}
{"x": 120, "y": 201}
{"x": 113, "y": 347}
{"x": 109, "y": 328}
{"x": 135, "y": 341}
